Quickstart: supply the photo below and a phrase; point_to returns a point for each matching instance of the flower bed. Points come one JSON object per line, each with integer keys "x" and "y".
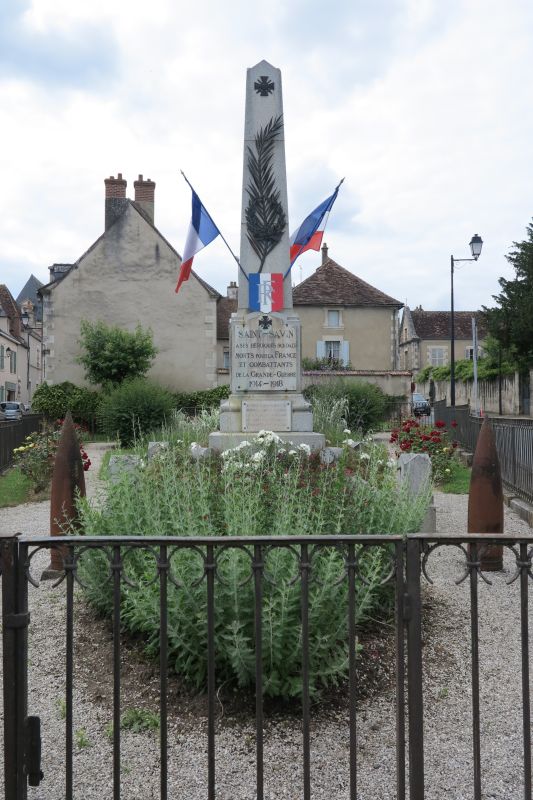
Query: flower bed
{"x": 261, "y": 488}
{"x": 35, "y": 458}
{"x": 434, "y": 440}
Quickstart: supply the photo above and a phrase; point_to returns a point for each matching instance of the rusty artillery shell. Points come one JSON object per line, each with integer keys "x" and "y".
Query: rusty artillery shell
{"x": 67, "y": 482}
{"x": 485, "y": 498}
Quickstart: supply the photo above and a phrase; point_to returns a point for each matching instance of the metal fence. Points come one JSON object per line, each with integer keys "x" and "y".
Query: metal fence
{"x": 405, "y": 563}
{"x": 12, "y": 434}
{"x": 514, "y": 443}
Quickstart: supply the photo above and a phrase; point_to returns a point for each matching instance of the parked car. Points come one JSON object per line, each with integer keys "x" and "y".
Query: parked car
{"x": 12, "y": 410}
{"x": 420, "y": 406}
{"x": 2, "y": 416}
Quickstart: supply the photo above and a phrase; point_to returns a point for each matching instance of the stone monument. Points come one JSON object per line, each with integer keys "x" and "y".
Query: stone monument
{"x": 265, "y": 331}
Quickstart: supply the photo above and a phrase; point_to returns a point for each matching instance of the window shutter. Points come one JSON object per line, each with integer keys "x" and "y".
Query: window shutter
{"x": 345, "y": 352}
{"x": 320, "y": 349}
{"x": 2, "y": 356}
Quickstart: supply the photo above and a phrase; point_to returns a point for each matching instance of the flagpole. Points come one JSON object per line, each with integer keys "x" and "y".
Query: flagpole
{"x": 334, "y": 197}
{"x": 216, "y": 226}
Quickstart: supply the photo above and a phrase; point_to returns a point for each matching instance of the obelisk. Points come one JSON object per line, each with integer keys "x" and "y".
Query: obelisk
{"x": 265, "y": 339}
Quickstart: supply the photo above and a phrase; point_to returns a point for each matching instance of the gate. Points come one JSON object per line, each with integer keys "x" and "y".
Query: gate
{"x": 405, "y": 565}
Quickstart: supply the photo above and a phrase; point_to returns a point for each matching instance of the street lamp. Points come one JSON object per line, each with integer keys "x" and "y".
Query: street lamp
{"x": 476, "y": 243}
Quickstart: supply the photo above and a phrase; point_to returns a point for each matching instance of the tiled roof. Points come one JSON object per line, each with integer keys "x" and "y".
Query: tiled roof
{"x": 10, "y": 309}
{"x": 436, "y": 324}
{"x": 333, "y": 285}
{"x": 225, "y": 308}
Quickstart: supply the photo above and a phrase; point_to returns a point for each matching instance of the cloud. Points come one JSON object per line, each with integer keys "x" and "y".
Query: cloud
{"x": 422, "y": 106}
{"x": 82, "y": 56}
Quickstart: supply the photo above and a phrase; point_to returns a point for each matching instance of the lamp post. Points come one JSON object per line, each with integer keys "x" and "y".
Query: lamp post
{"x": 476, "y": 243}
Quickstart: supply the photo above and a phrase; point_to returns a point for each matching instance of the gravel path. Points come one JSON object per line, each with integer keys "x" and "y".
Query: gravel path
{"x": 447, "y": 702}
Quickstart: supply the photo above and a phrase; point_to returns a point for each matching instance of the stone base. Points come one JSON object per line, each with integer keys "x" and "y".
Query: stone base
{"x": 301, "y": 418}
{"x": 220, "y": 440}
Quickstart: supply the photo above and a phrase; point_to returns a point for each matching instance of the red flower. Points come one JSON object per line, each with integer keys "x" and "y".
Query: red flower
{"x": 436, "y": 439}
{"x": 454, "y": 444}
{"x": 440, "y": 424}
{"x": 425, "y": 437}
{"x": 453, "y": 423}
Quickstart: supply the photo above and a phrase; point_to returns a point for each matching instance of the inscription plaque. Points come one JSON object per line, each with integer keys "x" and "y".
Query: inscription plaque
{"x": 274, "y": 415}
{"x": 265, "y": 358}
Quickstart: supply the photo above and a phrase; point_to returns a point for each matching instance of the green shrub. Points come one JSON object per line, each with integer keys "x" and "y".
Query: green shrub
{"x": 367, "y": 403}
{"x": 133, "y": 409}
{"x": 111, "y": 355}
{"x": 260, "y": 489}
{"x": 54, "y": 401}
{"x": 192, "y": 402}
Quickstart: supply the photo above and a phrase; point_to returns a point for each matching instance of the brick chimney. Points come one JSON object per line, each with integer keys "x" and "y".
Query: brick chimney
{"x": 115, "y": 198}
{"x": 324, "y": 253}
{"x": 144, "y": 195}
{"x": 232, "y": 291}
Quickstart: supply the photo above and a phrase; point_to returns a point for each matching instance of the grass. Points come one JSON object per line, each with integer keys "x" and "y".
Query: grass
{"x": 15, "y": 488}
{"x": 458, "y": 479}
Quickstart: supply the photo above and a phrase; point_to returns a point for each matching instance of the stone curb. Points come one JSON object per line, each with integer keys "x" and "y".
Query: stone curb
{"x": 521, "y": 507}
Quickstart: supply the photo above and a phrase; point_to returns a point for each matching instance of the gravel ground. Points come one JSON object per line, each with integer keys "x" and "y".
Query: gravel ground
{"x": 446, "y": 686}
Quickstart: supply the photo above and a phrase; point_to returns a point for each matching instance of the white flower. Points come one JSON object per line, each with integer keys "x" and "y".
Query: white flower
{"x": 304, "y": 448}
{"x": 292, "y": 452}
{"x": 346, "y": 430}
{"x": 258, "y": 457}
{"x": 349, "y": 442}
{"x": 364, "y": 457}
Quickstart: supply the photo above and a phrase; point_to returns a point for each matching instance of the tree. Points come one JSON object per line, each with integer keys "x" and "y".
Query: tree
{"x": 111, "y": 355}
{"x": 511, "y": 323}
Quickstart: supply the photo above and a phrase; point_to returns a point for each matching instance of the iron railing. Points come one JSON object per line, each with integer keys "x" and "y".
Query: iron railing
{"x": 514, "y": 443}
{"x": 405, "y": 562}
{"x": 12, "y": 434}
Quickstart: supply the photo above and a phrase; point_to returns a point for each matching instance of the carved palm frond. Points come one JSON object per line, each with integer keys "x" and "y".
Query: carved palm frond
{"x": 265, "y": 217}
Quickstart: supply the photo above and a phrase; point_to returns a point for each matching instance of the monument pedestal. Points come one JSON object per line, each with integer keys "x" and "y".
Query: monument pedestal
{"x": 266, "y": 390}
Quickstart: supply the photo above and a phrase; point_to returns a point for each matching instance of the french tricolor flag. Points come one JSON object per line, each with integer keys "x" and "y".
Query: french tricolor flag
{"x": 265, "y": 291}
{"x": 202, "y": 231}
{"x": 309, "y": 234}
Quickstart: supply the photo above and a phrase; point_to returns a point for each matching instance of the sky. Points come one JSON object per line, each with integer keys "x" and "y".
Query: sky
{"x": 423, "y": 107}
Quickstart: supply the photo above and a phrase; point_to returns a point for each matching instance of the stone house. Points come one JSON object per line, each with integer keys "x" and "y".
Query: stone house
{"x": 20, "y": 349}
{"x": 342, "y": 318}
{"x": 425, "y": 337}
{"x": 128, "y": 277}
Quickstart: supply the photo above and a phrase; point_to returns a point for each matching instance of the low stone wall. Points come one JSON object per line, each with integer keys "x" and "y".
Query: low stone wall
{"x": 488, "y": 393}
{"x": 392, "y": 382}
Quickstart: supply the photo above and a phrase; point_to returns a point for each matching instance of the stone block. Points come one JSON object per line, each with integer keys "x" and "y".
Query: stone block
{"x": 415, "y": 470}
{"x": 198, "y": 453}
{"x": 330, "y": 455}
{"x": 155, "y": 448}
{"x": 523, "y": 509}
{"x": 122, "y": 464}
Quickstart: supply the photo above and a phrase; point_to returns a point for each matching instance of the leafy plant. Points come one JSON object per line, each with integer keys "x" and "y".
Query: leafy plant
{"x": 260, "y": 488}
{"x": 367, "y": 404}
{"x": 139, "y": 719}
{"x": 412, "y": 437}
{"x": 325, "y": 365}
{"x": 192, "y": 402}
{"x": 111, "y": 354}
{"x": 35, "y": 457}
{"x": 133, "y": 409}
{"x": 54, "y": 401}
{"x": 82, "y": 740}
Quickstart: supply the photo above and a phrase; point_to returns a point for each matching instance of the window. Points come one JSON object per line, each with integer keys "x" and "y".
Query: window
{"x": 333, "y": 349}
{"x": 437, "y": 356}
{"x": 333, "y": 318}
{"x": 225, "y": 363}
{"x": 2, "y": 393}
{"x": 2, "y": 356}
